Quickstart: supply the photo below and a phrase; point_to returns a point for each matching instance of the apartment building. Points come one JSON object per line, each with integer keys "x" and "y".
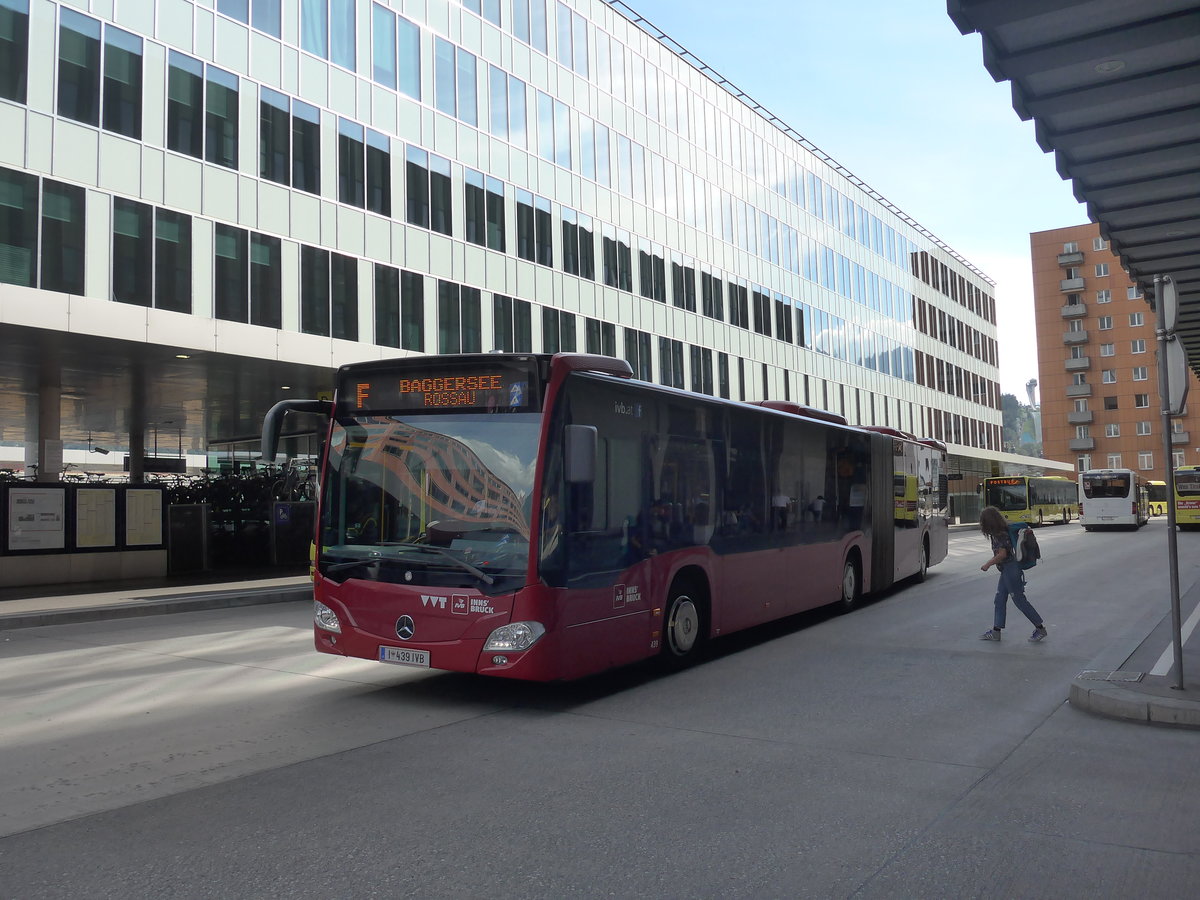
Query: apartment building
{"x": 207, "y": 203}
{"x": 1097, "y": 360}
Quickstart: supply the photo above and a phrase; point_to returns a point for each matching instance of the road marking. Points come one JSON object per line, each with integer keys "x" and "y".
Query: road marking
{"x": 1163, "y": 666}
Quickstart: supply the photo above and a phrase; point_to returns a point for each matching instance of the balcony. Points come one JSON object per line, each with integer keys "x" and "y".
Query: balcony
{"x": 1074, "y": 311}
{"x": 1075, "y": 337}
{"x": 1070, "y": 259}
{"x": 1079, "y": 390}
{"x": 1179, "y": 437}
{"x": 1070, "y": 285}
{"x": 1082, "y": 364}
{"x": 1080, "y": 418}
{"x": 1081, "y": 444}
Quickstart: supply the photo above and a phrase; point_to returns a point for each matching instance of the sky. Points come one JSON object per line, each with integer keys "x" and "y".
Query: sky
{"x": 895, "y": 94}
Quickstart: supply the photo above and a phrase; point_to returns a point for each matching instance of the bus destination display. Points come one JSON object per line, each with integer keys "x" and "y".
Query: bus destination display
{"x": 500, "y": 389}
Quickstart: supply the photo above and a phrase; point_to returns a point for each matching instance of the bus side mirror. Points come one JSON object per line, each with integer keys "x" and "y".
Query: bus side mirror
{"x": 580, "y": 449}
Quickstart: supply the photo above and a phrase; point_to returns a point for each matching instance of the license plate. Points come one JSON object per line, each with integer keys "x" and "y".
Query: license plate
{"x": 402, "y": 656}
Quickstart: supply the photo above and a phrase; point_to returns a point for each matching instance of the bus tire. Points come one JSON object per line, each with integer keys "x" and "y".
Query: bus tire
{"x": 851, "y": 583}
{"x": 685, "y": 625}
{"x": 923, "y": 570}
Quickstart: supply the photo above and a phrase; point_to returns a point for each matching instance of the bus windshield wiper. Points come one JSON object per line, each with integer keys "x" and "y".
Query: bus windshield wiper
{"x": 424, "y": 548}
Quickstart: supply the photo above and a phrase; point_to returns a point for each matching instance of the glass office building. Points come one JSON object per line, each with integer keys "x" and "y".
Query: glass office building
{"x": 282, "y": 186}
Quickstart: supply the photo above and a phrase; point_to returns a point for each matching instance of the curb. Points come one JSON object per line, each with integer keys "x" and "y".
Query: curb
{"x": 1121, "y": 703}
{"x": 156, "y": 606}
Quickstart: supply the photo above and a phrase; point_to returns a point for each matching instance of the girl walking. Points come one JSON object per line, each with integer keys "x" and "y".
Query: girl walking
{"x": 1012, "y": 579}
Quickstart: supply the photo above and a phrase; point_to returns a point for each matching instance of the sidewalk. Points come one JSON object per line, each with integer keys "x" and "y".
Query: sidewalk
{"x": 1131, "y": 679}
{"x": 64, "y": 604}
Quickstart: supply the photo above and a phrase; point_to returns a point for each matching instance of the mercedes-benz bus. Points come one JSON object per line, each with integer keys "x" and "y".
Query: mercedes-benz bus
{"x": 547, "y": 517}
{"x": 1156, "y": 496}
{"x": 1187, "y": 497}
{"x": 1112, "y": 498}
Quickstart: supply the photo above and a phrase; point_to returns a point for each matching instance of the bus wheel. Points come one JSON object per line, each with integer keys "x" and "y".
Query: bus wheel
{"x": 923, "y": 569}
{"x": 683, "y": 629}
{"x": 851, "y": 584}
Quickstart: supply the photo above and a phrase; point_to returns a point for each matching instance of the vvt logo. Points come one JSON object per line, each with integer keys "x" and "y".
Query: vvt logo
{"x": 428, "y": 600}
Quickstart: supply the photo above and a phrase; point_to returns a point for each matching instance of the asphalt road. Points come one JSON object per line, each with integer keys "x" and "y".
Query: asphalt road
{"x": 885, "y": 753}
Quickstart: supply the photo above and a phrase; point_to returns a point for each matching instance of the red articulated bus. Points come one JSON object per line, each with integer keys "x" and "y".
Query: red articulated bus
{"x": 548, "y": 517}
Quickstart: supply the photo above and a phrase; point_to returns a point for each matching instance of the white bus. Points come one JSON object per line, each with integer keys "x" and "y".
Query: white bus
{"x": 1113, "y": 498}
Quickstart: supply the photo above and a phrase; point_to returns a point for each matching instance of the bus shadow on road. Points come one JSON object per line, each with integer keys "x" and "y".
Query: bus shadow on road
{"x": 467, "y": 689}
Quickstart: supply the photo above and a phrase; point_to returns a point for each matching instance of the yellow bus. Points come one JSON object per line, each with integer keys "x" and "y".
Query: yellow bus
{"x": 1157, "y": 494}
{"x": 1035, "y": 499}
{"x": 1187, "y": 497}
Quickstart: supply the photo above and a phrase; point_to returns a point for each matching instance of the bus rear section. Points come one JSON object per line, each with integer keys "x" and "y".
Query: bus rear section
{"x": 1187, "y": 497}
{"x": 1033, "y": 499}
{"x": 1112, "y": 498}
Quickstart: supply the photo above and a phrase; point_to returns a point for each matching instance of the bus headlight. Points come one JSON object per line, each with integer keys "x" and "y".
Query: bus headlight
{"x": 326, "y": 618}
{"x": 517, "y": 636}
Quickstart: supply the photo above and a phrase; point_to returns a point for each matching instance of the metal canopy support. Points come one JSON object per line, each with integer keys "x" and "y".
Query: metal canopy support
{"x": 1164, "y": 329}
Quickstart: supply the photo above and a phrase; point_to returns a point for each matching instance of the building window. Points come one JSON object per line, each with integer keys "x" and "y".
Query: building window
{"x": 1140, "y": 373}
{"x": 1138, "y": 346}
{"x": 1106, "y": 323}
{"x": 231, "y": 274}
{"x": 1083, "y": 462}
{"x": 1114, "y": 460}
{"x": 616, "y": 259}
{"x": 1070, "y": 247}
{"x": 1082, "y": 405}
{"x": 1075, "y": 326}
{"x": 399, "y": 308}
{"x": 428, "y": 181}
{"x": 1141, "y": 401}
{"x": 1099, "y": 243}
{"x": 364, "y": 168}
{"x": 63, "y": 209}
{"x": 200, "y": 126}
{"x": 638, "y": 354}
{"x": 1101, "y": 270}
{"x": 61, "y": 229}
{"x": 1145, "y": 460}
{"x": 1135, "y": 319}
{"x": 328, "y": 294}
{"x": 1143, "y": 428}
{"x": 762, "y": 311}
{"x": 600, "y": 337}
{"x": 512, "y": 324}
{"x": 1132, "y": 293}
{"x": 712, "y": 296}
{"x": 14, "y": 49}
{"x": 79, "y": 68}
{"x": 670, "y": 361}
{"x": 459, "y": 328}
{"x": 1082, "y": 431}
{"x": 1107, "y": 349}
{"x": 122, "y": 101}
{"x": 558, "y": 331}
{"x": 683, "y": 284}
{"x": 1104, "y": 296}
{"x": 702, "y": 370}
{"x": 1110, "y": 402}
{"x": 1112, "y": 429}
{"x": 1072, "y": 299}
{"x": 396, "y": 52}
{"x": 260, "y": 14}
{"x": 572, "y": 40}
{"x": 327, "y": 30}
{"x": 152, "y": 256}
{"x": 1108, "y": 376}
{"x": 529, "y": 23}
{"x": 1078, "y": 353}
{"x": 289, "y": 141}
{"x": 454, "y": 82}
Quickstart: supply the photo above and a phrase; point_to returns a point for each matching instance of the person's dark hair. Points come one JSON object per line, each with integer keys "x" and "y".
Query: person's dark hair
{"x": 991, "y": 522}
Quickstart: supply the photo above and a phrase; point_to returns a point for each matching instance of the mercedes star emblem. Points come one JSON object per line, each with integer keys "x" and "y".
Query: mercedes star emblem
{"x": 405, "y": 627}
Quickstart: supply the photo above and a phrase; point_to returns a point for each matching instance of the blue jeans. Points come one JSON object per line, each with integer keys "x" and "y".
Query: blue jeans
{"x": 1012, "y": 583}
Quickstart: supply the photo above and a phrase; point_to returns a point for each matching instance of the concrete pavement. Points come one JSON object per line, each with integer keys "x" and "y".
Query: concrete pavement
{"x": 1132, "y": 679}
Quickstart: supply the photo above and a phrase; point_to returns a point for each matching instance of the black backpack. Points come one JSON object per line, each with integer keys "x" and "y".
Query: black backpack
{"x": 1025, "y": 545}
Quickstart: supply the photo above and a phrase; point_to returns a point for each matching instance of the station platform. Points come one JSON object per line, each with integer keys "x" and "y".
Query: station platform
{"x": 30, "y": 607}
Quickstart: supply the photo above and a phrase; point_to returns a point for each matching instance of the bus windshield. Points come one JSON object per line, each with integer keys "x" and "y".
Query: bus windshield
{"x": 1187, "y": 484}
{"x": 439, "y": 499}
{"x": 1007, "y": 493}
{"x": 1099, "y": 486}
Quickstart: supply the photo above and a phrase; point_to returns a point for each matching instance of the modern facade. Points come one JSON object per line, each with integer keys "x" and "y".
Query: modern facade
{"x": 1097, "y": 361}
{"x": 209, "y": 203}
